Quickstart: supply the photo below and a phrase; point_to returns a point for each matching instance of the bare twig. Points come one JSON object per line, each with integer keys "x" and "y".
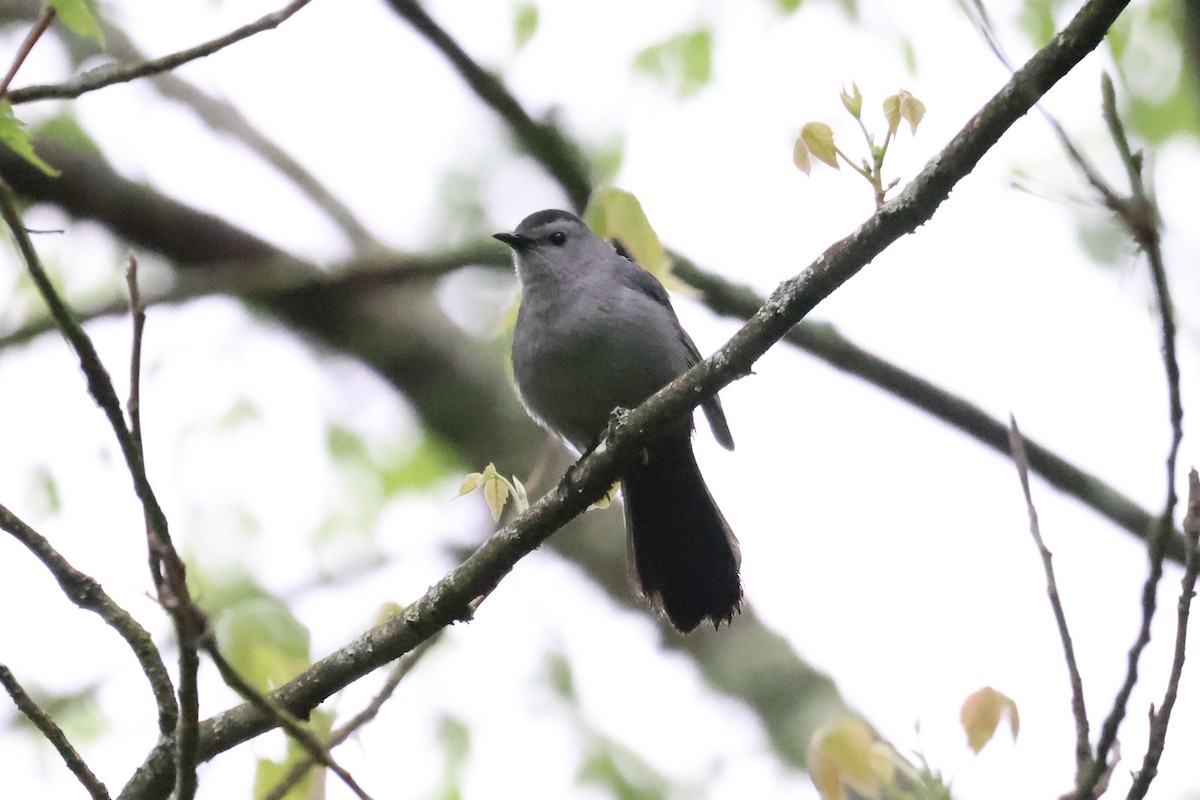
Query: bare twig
{"x": 166, "y": 567}
{"x": 1083, "y": 747}
{"x": 43, "y": 22}
{"x": 137, "y": 311}
{"x": 1139, "y": 215}
{"x": 53, "y": 734}
{"x": 402, "y": 667}
{"x": 187, "y": 732}
{"x": 110, "y": 74}
{"x": 85, "y": 592}
{"x": 451, "y": 598}
{"x": 292, "y": 726}
{"x": 1161, "y": 718}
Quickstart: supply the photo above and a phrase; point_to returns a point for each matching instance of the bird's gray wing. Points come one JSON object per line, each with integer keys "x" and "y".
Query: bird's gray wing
{"x": 642, "y": 281}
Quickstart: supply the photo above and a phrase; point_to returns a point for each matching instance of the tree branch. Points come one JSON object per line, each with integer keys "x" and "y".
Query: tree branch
{"x": 1083, "y": 746}
{"x": 43, "y": 22}
{"x": 1139, "y": 215}
{"x": 399, "y": 671}
{"x": 166, "y": 567}
{"x": 293, "y": 727}
{"x": 85, "y": 592}
{"x": 53, "y": 734}
{"x": 1161, "y": 718}
{"x": 109, "y": 74}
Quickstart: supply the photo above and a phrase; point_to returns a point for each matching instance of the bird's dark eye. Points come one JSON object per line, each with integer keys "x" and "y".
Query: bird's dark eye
{"x": 558, "y": 238}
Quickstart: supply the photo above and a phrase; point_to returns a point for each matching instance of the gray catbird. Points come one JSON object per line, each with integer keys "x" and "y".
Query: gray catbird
{"x": 596, "y": 332}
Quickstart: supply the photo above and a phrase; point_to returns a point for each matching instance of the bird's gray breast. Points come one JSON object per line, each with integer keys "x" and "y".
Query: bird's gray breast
{"x": 578, "y": 354}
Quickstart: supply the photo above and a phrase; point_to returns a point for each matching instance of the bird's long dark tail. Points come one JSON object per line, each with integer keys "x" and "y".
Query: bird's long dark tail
{"x": 684, "y": 555}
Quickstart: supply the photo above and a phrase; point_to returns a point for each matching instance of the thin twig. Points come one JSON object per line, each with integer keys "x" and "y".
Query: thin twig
{"x": 53, "y": 734}
{"x": 1083, "y": 747}
{"x": 137, "y": 312}
{"x": 187, "y": 732}
{"x": 1138, "y": 213}
{"x": 1161, "y": 718}
{"x": 85, "y": 592}
{"x": 398, "y": 672}
{"x": 166, "y": 567}
{"x": 110, "y": 74}
{"x": 98, "y": 382}
{"x": 43, "y": 22}
{"x": 294, "y": 728}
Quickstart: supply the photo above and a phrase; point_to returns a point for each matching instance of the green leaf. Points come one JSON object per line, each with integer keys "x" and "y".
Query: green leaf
{"x": 560, "y": 676}
{"x": 455, "y": 738}
{"x": 470, "y": 483}
{"x": 787, "y": 6}
{"x": 263, "y": 641}
{"x": 845, "y": 754}
{"x": 13, "y": 134}
{"x": 346, "y": 445}
{"x": 891, "y": 112}
{"x": 1037, "y": 20}
{"x": 269, "y": 773}
{"x": 852, "y": 100}
{"x": 65, "y": 128}
{"x": 495, "y": 491}
{"x": 46, "y": 497}
{"x": 912, "y": 110}
{"x": 617, "y": 214}
{"x": 801, "y": 157}
{"x": 818, "y": 137}
{"x": 76, "y": 15}
{"x": 621, "y": 771}
{"x": 981, "y": 715}
{"x": 606, "y": 500}
{"x": 683, "y": 62}
{"x": 520, "y": 496}
{"x": 525, "y": 24}
{"x": 423, "y": 467}
{"x": 1162, "y": 94}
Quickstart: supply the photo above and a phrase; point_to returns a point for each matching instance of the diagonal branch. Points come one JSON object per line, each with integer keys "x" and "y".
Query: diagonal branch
{"x": 399, "y": 671}
{"x": 166, "y": 567}
{"x": 1139, "y": 214}
{"x": 84, "y": 591}
{"x": 294, "y": 728}
{"x": 1187, "y": 593}
{"x": 53, "y": 734}
{"x": 1083, "y": 746}
{"x": 451, "y": 599}
{"x": 110, "y": 74}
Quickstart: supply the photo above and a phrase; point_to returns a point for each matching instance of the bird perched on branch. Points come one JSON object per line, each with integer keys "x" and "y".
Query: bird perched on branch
{"x": 596, "y": 332}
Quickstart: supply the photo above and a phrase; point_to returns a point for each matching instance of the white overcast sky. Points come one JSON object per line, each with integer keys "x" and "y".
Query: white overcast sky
{"x": 890, "y": 551}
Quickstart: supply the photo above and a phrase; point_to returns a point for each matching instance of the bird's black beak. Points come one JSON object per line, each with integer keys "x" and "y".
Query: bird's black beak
{"x": 514, "y": 240}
